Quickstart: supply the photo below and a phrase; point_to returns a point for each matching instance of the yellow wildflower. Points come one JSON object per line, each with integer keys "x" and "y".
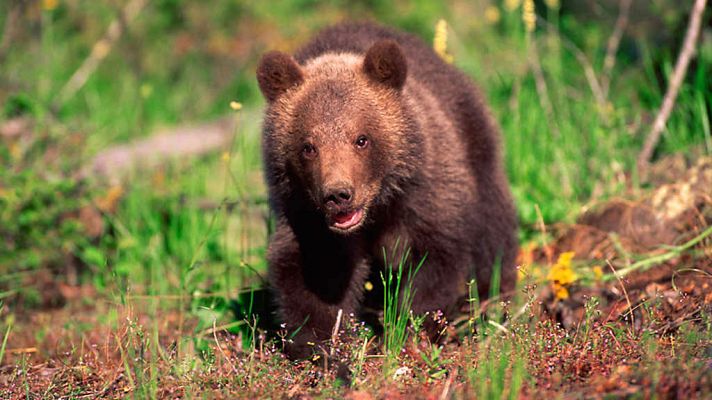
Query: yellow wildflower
{"x": 522, "y": 272}
{"x": 597, "y": 272}
{"x": 225, "y": 156}
{"x": 108, "y": 202}
{"x": 606, "y": 109}
{"x": 101, "y": 48}
{"x": 49, "y": 5}
{"x": 552, "y": 4}
{"x": 561, "y": 275}
{"x": 15, "y": 151}
{"x": 368, "y": 286}
{"x": 561, "y": 272}
{"x": 146, "y": 89}
{"x": 492, "y": 15}
{"x": 158, "y": 179}
{"x": 511, "y": 5}
{"x": 561, "y": 292}
{"x": 237, "y": 106}
{"x": 528, "y": 15}
{"x": 440, "y": 41}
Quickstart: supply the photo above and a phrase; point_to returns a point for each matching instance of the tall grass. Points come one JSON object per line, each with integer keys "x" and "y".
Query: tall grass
{"x": 497, "y": 365}
{"x": 500, "y": 369}
{"x": 5, "y": 336}
{"x": 398, "y": 295}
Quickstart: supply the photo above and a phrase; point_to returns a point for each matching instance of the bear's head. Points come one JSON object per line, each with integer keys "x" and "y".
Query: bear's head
{"x": 338, "y": 133}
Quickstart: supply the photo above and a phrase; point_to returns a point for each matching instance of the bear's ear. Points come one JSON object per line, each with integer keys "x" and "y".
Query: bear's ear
{"x": 386, "y": 64}
{"x": 276, "y": 73}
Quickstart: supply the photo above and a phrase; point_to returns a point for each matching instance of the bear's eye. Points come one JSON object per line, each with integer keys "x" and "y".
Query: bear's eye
{"x": 362, "y": 142}
{"x": 309, "y": 151}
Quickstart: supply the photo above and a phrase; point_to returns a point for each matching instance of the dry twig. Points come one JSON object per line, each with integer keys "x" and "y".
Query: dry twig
{"x": 446, "y": 389}
{"x": 586, "y": 65}
{"x": 678, "y": 75}
{"x": 10, "y": 28}
{"x": 217, "y": 343}
{"x": 100, "y": 50}
{"x": 625, "y": 293}
{"x": 614, "y": 42}
{"x": 543, "y": 90}
{"x": 335, "y": 332}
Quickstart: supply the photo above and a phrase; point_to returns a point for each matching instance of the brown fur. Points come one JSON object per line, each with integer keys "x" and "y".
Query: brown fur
{"x": 430, "y": 176}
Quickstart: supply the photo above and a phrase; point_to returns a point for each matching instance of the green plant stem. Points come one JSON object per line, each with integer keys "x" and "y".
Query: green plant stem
{"x": 646, "y": 264}
{"x": 4, "y": 342}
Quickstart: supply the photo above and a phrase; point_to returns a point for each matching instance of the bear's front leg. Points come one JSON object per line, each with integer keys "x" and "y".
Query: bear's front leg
{"x": 311, "y": 288}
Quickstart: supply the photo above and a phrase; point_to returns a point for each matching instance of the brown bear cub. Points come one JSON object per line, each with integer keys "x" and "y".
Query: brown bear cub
{"x": 370, "y": 139}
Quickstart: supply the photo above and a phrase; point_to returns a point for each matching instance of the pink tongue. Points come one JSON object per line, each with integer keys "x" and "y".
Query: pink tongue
{"x": 342, "y": 218}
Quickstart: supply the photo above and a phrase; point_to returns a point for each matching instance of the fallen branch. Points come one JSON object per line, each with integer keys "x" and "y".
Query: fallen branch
{"x": 678, "y": 75}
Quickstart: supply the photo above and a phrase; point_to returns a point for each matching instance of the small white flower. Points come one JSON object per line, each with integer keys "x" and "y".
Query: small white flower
{"x": 401, "y": 372}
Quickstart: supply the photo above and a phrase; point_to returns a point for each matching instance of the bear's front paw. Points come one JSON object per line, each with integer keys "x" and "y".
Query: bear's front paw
{"x": 302, "y": 348}
{"x": 298, "y": 351}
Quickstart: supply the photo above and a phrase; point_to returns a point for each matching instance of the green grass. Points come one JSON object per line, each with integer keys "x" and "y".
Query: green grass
{"x": 5, "y": 336}
{"x": 398, "y": 295}
{"x": 500, "y": 369}
{"x": 557, "y": 162}
{"x": 192, "y": 234}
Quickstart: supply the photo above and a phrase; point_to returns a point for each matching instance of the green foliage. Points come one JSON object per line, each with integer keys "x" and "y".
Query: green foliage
{"x": 397, "y": 299}
{"x": 170, "y": 241}
{"x": 38, "y": 221}
{"x": 500, "y": 370}
{"x": 435, "y": 362}
{"x": 7, "y": 333}
{"x": 139, "y": 354}
{"x": 17, "y": 105}
{"x": 555, "y": 160}
{"x": 40, "y": 226}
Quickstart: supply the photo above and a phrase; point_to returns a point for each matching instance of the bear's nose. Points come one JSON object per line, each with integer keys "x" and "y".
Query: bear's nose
{"x": 340, "y": 195}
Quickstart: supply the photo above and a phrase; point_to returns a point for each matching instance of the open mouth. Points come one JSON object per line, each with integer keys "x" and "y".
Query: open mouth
{"x": 346, "y": 220}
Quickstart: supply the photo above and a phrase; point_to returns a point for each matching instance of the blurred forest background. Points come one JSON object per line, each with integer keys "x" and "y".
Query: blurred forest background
{"x": 130, "y": 164}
